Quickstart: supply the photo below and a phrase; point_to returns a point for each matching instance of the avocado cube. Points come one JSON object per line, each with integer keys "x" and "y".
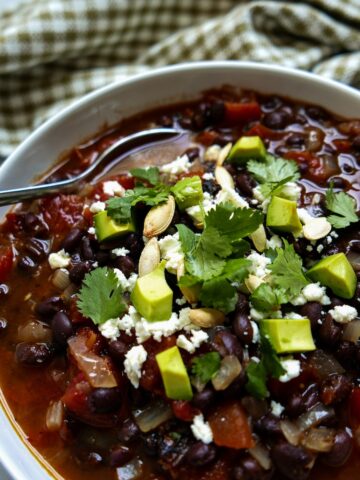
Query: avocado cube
{"x": 152, "y": 297}
{"x": 288, "y": 335}
{"x": 282, "y": 215}
{"x": 245, "y": 149}
{"x": 174, "y": 375}
{"x": 336, "y": 273}
{"x": 188, "y": 192}
{"x": 107, "y": 229}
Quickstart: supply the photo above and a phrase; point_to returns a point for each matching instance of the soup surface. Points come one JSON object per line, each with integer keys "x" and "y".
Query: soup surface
{"x": 198, "y": 319}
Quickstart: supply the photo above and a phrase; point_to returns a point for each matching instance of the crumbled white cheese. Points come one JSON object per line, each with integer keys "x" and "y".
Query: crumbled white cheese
{"x": 334, "y": 234}
{"x": 274, "y": 242}
{"x": 92, "y": 231}
{"x": 59, "y": 259}
{"x": 120, "y": 252}
{"x": 208, "y": 203}
{"x": 127, "y": 284}
{"x": 343, "y": 313}
{"x": 293, "y": 315}
{"x": 228, "y": 194}
{"x": 194, "y": 342}
{"x": 171, "y": 251}
{"x": 256, "y": 332}
{"x": 212, "y": 153}
{"x": 181, "y": 301}
{"x": 291, "y": 191}
{"x": 112, "y": 188}
{"x": 313, "y": 292}
{"x": 201, "y": 429}
{"x": 257, "y": 315}
{"x": 97, "y": 207}
{"x": 320, "y": 248}
{"x": 134, "y": 360}
{"x": 276, "y": 408}
{"x": 259, "y": 263}
{"x": 179, "y": 165}
{"x": 208, "y": 176}
{"x": 292, "y": 369}
{"x": 309, "y": 248}
{"x": 110, "y": 329}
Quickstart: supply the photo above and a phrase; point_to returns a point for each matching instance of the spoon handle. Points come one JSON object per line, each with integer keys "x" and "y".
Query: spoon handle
{"x": 123, "y": 147}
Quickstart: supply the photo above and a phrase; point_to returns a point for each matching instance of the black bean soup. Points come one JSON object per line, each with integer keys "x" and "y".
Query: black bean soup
{"x": 198, "y": 318}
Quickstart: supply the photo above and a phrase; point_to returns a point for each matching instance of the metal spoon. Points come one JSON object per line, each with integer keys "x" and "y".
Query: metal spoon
{"x": 122, "y": 147}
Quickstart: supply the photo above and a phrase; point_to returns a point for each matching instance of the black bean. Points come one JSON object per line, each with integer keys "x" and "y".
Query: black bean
{"x": 72, "y": 240}
{"x": 242, "y": 304}
{"x": 249, "y": 469}
{"x": 27, "y": 264}
{"x": 300, "y": 402}
{"x": 4, "y": 290}
{"x": 33, "y": 353}
{"x": 312, "y": 311}
{"x": 36, "y": 225}
{"x": 316, "y": 113}
{"x": 186, "y": 123}
{"x": 329, "y": 332}
{"x": 86, "y": 249}
{"x": 356, "y": 143}
{"x": 102, "y": 257}
{"x": 151, "y": 443}
{"x": 242, "y": 327}
{"x": 166, "y": 121}
{"x": 204, "y": 399}
{"x": 291, "y": 461}
{"x": 62, "y": 328}
{"x": 36, "y": 248}
{"x": 3, "y": 324}
{"x": 217, "y": 111}
{"x": 336, "y": 302}
{"x": 277, "y": 120}
{"x": 223, "y": 138}
{"x": 119, "y": 456}
{"x": 335, "y": 389}
{"x": 227, "y": 344}
{"x": 346, "y": 354}
{"x": 88, "y": 459}
{"x": 192, "y": 153}
{"x": 128, "y": 432}
{"x": 268, "y": 426}
{"x": 271, "y": 103}
{"x": 295, "y": 140}
{"x": 125, "y": 264}
{"x": 105, "y": 400}
{"x": 118, "y": 350}
{"x": 200, "y": 454}
{"x": 134, "y": 243}
{"x": 355, "y": 245}
{"x": 245, "y": 184}
{"x": 78, "y": 272}
{"x": 47, "y": 308}
{"x": 210, "y": 186}
{"x": 341, "y": 450}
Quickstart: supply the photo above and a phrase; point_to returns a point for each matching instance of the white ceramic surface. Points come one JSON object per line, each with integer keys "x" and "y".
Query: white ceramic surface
{"x": 120, "y": 100}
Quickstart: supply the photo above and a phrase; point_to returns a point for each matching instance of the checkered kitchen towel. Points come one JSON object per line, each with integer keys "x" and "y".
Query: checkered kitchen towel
{"x": 54, "y": 51}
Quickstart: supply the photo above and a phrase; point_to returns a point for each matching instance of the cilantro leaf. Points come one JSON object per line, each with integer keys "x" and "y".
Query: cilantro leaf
{"x": 267, "y": 298}
{"x": 119, "y": 208}
{"x": 100, "y": 297}
{"x": 287, "y": 272}
{"x": 236, "y": 269}
{"x": 206, "y": 366}
{"x": 220, "y": 294}
{"x": 344, "y": 207}
{"x": 256, "y": 383}
{"x": 270, "y": 358}
{"x": 233, "y": 222}
{"x": 187, "y": 238}
{"x": 151, "y": 174}
{"x": 273, "y": 174}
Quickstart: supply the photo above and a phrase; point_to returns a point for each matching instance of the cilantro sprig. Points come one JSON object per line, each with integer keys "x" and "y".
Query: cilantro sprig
{"x": 100, "y": 297}
{"x": 343, "y": 206}
{"x": 205, "y": 367}
{"x": 258, "y": 372}
{"x": 273, "y": 174}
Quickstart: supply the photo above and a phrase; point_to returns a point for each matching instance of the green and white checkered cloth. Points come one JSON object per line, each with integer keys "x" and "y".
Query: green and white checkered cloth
{"x": 54, "y": 51}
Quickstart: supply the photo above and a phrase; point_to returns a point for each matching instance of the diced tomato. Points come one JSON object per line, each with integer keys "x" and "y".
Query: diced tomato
{"x": 192, "y": 173}
{"x": 126, "y": 181}
{"x": 6, "y": 262}
{"x": 220, "y": 470}
{"x": 241, "y": 113}
{"x": 342, "y": 146}
{"x": 230, "y": 426}
{"x": 263, "y": 132}
{"x": 355, "y": 407}
{"x": 14, "y": 223}
{"x": 61, "y": 212}
{"x": 206, "y": 138}
{"x": 184, "y": 410}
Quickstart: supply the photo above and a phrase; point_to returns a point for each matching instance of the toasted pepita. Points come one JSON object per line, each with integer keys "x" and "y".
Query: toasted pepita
{"x": 252, "y": 282}
{"x": 259, "y": 238}
{"x": 223, "y": 178}
{"x": 149, "y": 258}
{"x": 159, "y": 218}
{"x": 206, "y": 317}
{"x": 224, "y": 152}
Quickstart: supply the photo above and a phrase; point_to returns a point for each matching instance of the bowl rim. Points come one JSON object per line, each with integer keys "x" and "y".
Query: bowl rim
{"x": 7, "y": 460}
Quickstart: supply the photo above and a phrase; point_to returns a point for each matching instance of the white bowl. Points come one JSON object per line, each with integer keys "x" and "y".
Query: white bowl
{"x": 120, "y": 100}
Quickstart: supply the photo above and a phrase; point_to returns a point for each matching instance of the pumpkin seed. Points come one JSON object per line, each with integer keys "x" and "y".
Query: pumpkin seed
{"x": 149, "y": 258}
{"x": 224, "y": 152}
{"x": 252, "y": 282}
{"x": 159, "y": 218}
{"x": 223, "y": 178}
{"x": 259, "y": 238}
{"x": 206, "y": 317}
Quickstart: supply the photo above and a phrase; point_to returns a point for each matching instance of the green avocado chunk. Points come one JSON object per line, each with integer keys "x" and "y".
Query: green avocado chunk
{"x": 336, "y": 273}
{"x": 288, "y": 335}
{"x": 107, "y": 229}
{"x": 246, "y": 148}
{"x": 188, "y": 192}
{"x": 174, "y": 375}
{"x": 152, "y": 297}
{"x": 282, "y": 215}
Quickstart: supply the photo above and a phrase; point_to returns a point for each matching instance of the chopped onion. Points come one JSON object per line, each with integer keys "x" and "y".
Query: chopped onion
{"x": 97, "y": 369}
{"x": 314, "y": 417}
{"x": 153, "y": 416}
{"x": 291, "y": 431}
{"x": 230, "y": 369}
{"x": 324, "y": 364}
{"x": 60, "y": 278}
{"x": 69, "y": 292}
{"x": 131, "y": 471}
{"x": 54, "y": 416}
{"x": 34, "y": 331}
{"x": 318, "y": 439}
{"x": 262, "y": 455}
{"x": 254, "y": 407}
{"x": 352, "y": 331}
{"x": 354, "y": 259}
